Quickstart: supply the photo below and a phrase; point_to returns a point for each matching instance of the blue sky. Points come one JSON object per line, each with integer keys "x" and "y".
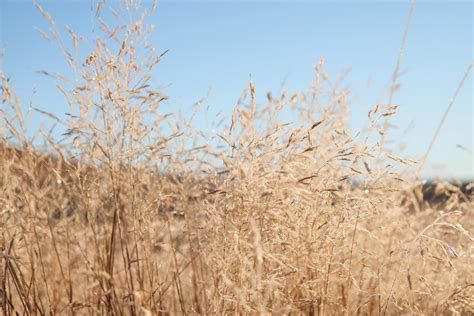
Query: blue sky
{"x": 215, "y": 45}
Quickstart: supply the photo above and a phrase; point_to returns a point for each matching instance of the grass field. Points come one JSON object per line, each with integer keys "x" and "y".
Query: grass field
{"x": 132, "y": 213}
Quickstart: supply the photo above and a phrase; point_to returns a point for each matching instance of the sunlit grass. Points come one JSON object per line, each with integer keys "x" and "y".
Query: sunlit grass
{"x": 130, "y": 214}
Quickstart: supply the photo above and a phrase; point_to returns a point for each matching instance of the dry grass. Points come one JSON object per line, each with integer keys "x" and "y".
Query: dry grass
{"x": 128, "y": 214}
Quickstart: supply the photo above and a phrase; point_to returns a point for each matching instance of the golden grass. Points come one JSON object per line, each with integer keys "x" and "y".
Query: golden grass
{"x": 130, "y": 215}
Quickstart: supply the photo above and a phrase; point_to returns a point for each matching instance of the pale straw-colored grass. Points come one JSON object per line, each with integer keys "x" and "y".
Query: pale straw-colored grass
{"x": 131, "y": 214}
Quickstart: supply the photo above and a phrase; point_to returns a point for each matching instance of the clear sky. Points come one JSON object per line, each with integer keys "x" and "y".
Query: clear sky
{"x": 215, "y": 45}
